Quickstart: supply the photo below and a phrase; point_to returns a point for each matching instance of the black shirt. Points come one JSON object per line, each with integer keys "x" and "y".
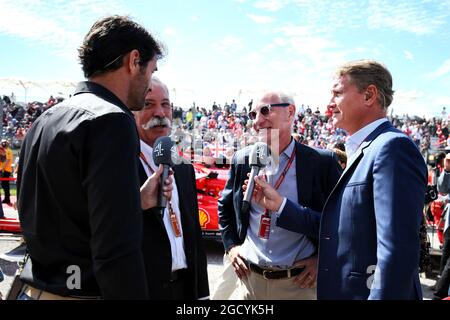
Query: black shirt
{"x": 79, "y": 199}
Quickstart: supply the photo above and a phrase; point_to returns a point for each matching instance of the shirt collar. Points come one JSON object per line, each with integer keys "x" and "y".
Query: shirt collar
{"x": 102, "y": 92}
{"x": 354, "y": 141}
{"x": 148, "y": 153}
{"x": 289, "y": 149}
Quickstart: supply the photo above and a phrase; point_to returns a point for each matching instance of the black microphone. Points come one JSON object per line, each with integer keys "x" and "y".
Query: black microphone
{"x": 259, "y": 158}
{"x": 162, "y": 154}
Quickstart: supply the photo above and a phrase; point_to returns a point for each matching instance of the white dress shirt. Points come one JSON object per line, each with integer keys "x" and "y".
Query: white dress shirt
{"x": 351, "y": 146}
{"x": 176, "y": 244}
{"x": 356, "y": 139}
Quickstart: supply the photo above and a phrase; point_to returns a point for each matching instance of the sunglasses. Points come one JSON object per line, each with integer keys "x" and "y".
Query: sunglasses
{"x": 265, "y": 109}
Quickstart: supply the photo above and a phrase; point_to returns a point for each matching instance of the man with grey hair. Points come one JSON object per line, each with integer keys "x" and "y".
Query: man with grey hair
{"x": 174, "y": 259}
{"x": 276, "y": 264}
{"x": 369, "y": 228}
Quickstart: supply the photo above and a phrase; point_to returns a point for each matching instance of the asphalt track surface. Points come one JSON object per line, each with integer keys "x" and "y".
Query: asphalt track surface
{"x": 213, "y": 249}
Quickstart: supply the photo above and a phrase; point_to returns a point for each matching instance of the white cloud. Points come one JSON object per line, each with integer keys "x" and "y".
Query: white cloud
{"x": 261, "y": 19}
{"x": 326, "y": 16}
{"x": 412, "y": 102}
{"x": 41, "y": 23}
{"x": 229, "y": 44}
{"x": 315, "y": 48}
{"x": 293, "y": 30}
{"x": 170, "y": 32}
{"x": 195, "y": 18}
{"x": 408, "y": 95}
{"x": 271, "y": 5}
{"x": 280, "y": 42}
{"x": 418, "y": 102}
{"x": 408, "y": 55}
{"x": 442, "y": 101}
{"x": 443, "y": 70}
{"x": 402, "y": 16}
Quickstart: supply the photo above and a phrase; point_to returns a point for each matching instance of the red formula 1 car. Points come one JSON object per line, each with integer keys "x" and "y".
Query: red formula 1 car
{"x": 210, "y": 183}
{"x": 10, "y": 221}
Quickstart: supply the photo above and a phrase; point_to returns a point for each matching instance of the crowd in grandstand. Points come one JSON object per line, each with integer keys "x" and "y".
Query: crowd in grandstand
{"x": 222, "y": 130}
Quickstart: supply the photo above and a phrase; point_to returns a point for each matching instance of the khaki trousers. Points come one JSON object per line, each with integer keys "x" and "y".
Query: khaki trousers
{"x": 227, "y": 283}
{"x": 37, "y": 294}
{"x": 255, "y": 287}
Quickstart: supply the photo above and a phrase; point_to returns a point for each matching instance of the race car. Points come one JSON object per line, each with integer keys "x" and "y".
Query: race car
{"x": 10, "y": 221}
{"x": 210, "y": 181}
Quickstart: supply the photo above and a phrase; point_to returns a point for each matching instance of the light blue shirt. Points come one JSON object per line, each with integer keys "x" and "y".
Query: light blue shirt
{"x": 283, "y": 247}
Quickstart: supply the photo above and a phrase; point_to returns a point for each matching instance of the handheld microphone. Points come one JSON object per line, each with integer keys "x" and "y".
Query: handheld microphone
{"x": 259, "y": 158}
{"x": 162, "y": 154}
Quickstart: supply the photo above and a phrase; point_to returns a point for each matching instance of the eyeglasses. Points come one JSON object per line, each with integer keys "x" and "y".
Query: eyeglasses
{"x": 265, "y": 109}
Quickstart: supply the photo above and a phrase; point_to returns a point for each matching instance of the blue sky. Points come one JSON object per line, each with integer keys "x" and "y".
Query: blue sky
{"x": 234, "y": 49}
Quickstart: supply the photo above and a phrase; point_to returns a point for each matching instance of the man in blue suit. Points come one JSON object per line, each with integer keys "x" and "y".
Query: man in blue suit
{"x": 369, "y": 227}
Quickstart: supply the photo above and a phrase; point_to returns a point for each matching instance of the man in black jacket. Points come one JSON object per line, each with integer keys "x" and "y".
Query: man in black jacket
{"x": 78, "y": 186}
{"x": 174, "y": 258}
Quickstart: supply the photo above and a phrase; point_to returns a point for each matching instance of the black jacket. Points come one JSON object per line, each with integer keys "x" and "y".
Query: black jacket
{"x": 317, "y": 173}
{"x": 79, "y": 199}
{"x": 156, "y": 245}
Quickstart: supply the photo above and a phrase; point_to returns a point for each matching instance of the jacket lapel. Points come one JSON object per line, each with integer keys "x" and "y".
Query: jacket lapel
{"x": 303, "y": 173}
{"x": 178, "y": 177}
{"x": 359, "y": 155}
{"x": 182, "y": 179}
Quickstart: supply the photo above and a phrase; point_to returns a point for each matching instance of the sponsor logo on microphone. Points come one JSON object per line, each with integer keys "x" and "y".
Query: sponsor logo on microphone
{"x": 158, "y": 150}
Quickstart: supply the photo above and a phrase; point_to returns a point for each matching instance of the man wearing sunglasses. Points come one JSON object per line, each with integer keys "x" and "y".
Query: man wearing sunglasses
{"x": 276, "y": 263}
{"x": 369, "y": 227}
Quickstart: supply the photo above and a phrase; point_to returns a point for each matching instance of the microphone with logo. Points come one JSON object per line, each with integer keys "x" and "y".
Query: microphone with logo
{"x": 258, "y": 159}
{"x": 162, "y": 154}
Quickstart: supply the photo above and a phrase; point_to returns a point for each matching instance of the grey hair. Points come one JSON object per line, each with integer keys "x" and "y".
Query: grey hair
{"x": 157, "y": 81}
{"x": 286, "y": 98}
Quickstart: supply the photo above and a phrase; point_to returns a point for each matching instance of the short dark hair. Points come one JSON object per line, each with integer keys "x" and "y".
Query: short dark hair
{"x": 109, "y": 39}
{"x": 366, "y": 72}
{"x": 341, "y": 155}
{"x": 340, "y": 146}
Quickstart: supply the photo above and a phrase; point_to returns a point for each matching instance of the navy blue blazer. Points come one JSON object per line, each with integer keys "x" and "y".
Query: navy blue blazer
{"x": 317, "y": 173}
{"x": 369, "y": 228}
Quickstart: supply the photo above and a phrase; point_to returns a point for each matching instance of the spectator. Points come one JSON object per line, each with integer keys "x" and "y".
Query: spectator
{"x": 6, "y": 167}
{"x": 443, "y": 283}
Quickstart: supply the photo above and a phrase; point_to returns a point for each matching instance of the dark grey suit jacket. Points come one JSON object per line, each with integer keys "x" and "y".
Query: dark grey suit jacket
{"x": 317, "y": 173}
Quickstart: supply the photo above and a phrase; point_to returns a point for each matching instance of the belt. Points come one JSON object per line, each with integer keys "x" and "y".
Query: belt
{"x": 38, "y": 294}
{"x": 275, "y": 274}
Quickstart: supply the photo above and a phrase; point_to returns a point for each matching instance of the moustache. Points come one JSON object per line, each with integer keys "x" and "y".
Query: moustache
{"x": 157, "y": 122}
